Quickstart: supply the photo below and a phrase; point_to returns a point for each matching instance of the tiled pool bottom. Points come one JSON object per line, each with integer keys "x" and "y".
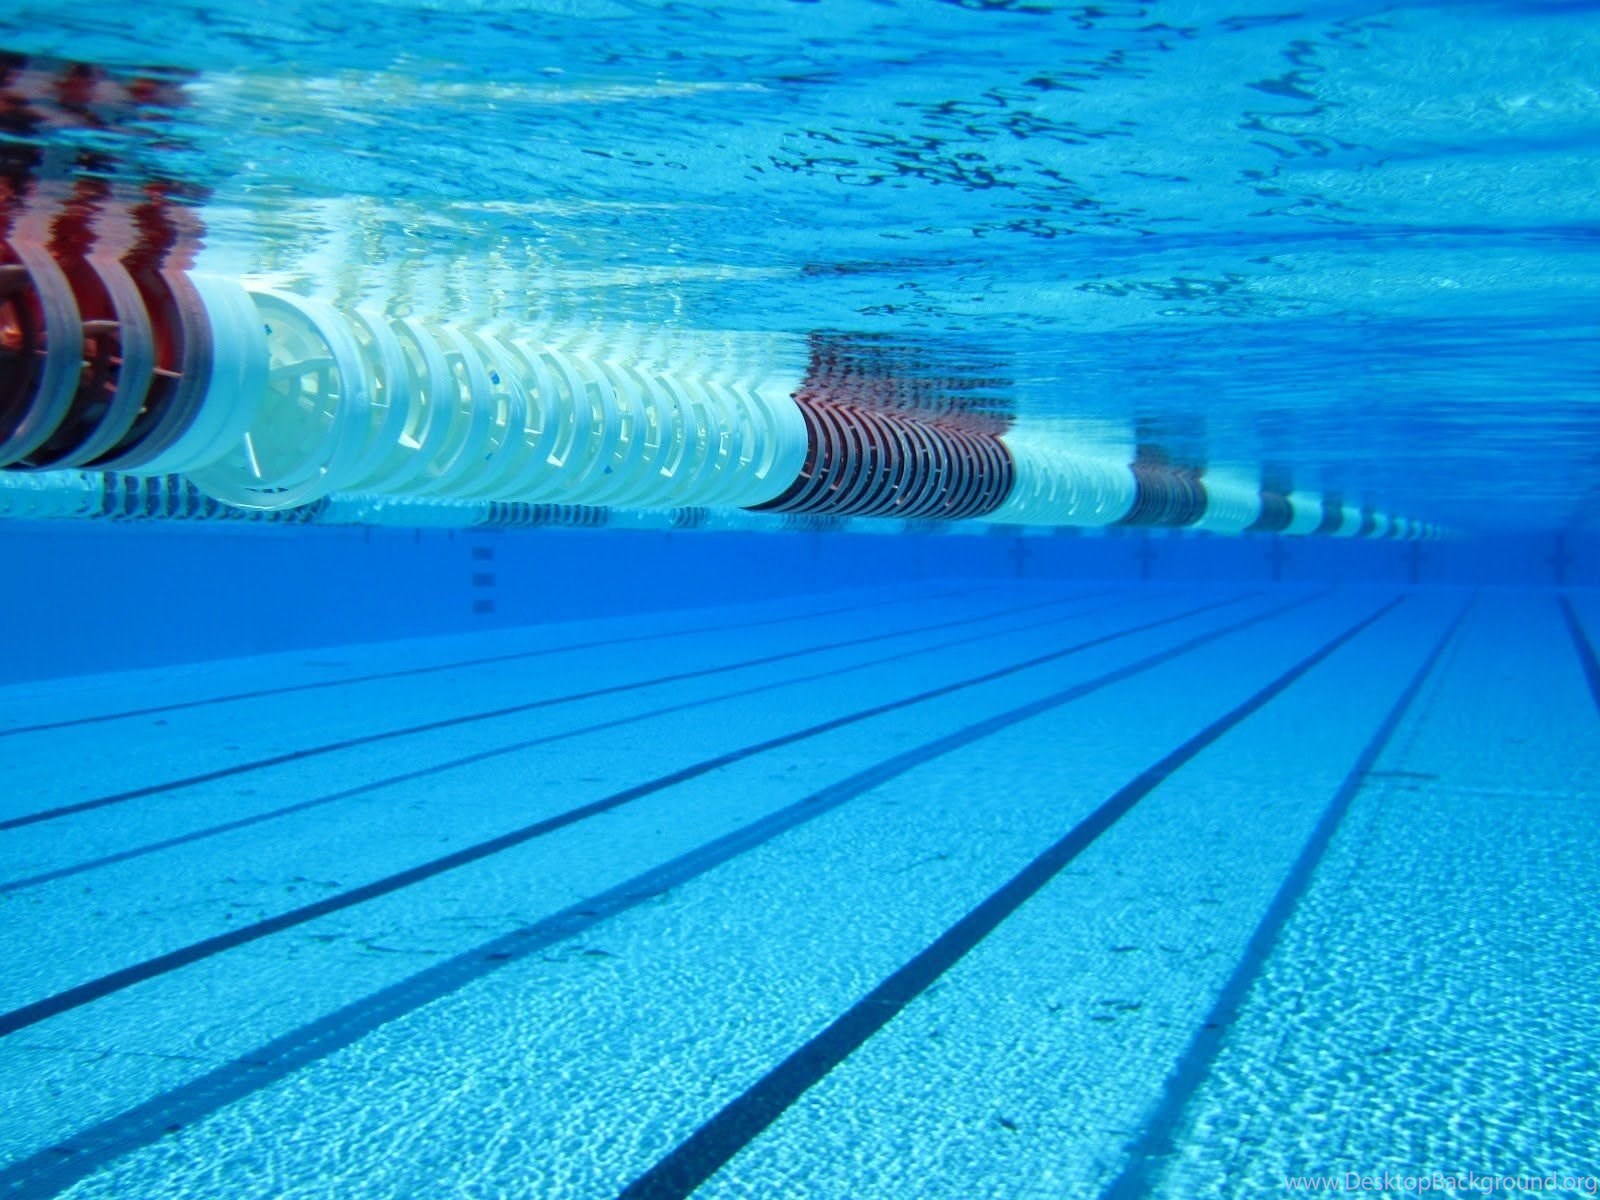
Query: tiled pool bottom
{"x": 952, "y": 891}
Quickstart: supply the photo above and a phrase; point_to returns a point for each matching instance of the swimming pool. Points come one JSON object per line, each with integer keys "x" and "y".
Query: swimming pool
{"x": 399, "y": 829}
{"x": 941, "y": 890}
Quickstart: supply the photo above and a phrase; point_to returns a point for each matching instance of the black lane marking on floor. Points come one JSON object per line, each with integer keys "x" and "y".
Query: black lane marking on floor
{"x": 30, "y": 1014}
{"x": 704, "y": 1152}
{"x": 58, "y": 1167}
{"x": 1155, "y": 1141}
{"x": 368, "y": 739}
{"x": 1585, "y": 648}
{"x": 465, "y": 664}
{"x": 455, "y": 764}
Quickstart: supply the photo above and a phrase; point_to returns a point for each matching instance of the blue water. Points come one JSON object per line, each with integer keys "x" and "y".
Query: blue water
{"x": 581, "y": 864}
{"x": 1352, "y": 243}
{"x": 948, "y": 889}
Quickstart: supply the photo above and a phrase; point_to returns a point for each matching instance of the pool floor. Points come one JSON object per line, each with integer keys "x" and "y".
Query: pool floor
{"x": 953, "y": 890}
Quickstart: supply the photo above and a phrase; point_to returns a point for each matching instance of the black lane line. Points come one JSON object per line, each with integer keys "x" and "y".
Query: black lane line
{"x": 58, "y": 1167}
{"x": 455, "y": 764}
{"x": 1155, "y": 1141}
{"x": 710, "y": 1147}
{"x": 115, "y": 981}
{"x": 368, "y": 739}
{"x": 1585, "y": 648}
{"x": 465, "y": 664}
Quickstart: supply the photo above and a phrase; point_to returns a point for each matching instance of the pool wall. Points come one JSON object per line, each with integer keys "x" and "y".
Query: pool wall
{"x": 79, "y": 600}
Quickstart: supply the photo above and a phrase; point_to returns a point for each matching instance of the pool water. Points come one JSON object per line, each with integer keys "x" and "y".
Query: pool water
{"x": 949, "y": 890}
{"x": 1349, "y": 245}
{"x": 587, "y": 863}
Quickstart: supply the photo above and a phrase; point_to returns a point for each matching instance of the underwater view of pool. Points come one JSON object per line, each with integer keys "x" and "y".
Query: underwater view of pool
{"x": 839, "y": 600}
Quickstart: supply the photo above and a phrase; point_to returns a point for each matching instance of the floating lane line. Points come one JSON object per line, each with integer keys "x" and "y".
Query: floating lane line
{"x": 1155, "y": 1141}
{"x": 368, "y": 739}
{"x": 33, "y": 1013}
{"x": 53, "y": 1170}
{"x": 742, "y": 1120}
{"x": 456, "y": 764}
